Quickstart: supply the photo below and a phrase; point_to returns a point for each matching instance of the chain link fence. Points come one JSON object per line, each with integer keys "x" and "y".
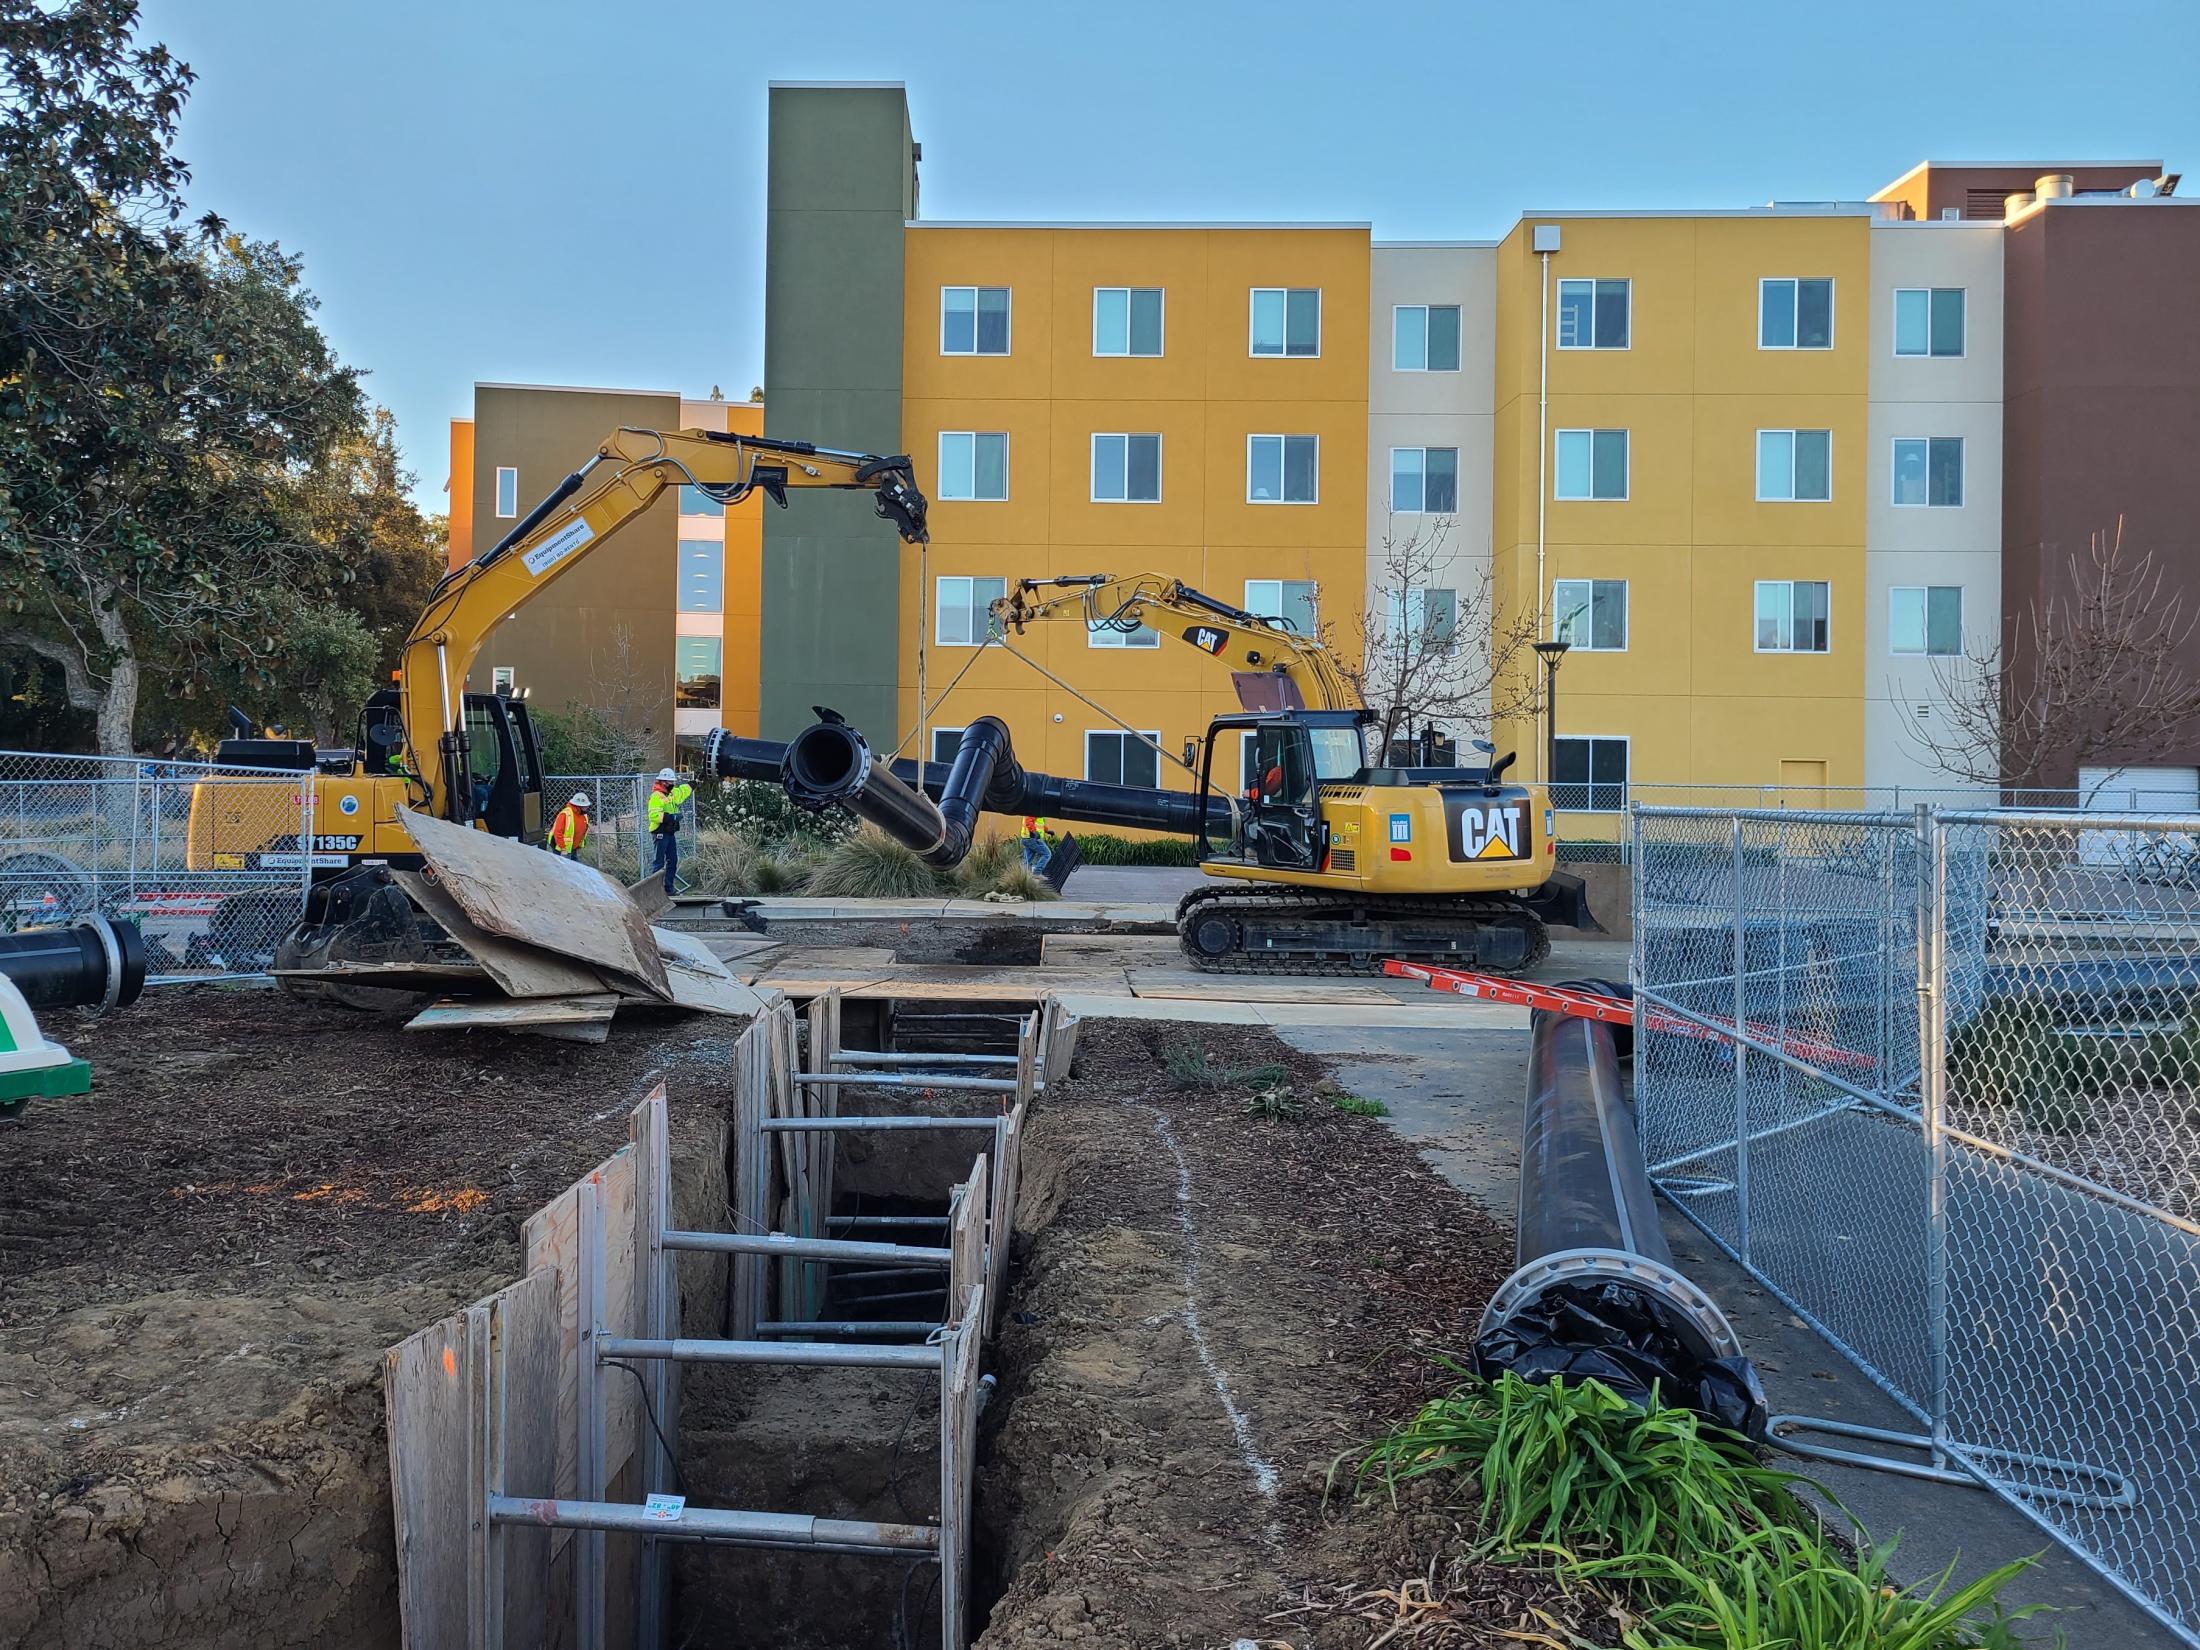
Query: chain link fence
{"x": 1934, "y": 1079}
{"x": 211, "y": 863}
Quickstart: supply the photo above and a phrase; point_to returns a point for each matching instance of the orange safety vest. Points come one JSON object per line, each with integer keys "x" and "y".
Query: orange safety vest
{"x": 569, "y": 830}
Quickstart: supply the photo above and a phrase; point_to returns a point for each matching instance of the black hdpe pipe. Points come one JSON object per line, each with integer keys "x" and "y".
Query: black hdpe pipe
{"x": 90, "y": 964}
{"x": 831, "y": 762}
{"x": 1595, "y": 1294}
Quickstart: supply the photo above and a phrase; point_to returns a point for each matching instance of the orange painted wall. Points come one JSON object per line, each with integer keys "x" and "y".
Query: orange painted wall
{"x": 461, "y": 489}
{"x": 744, "y": 591}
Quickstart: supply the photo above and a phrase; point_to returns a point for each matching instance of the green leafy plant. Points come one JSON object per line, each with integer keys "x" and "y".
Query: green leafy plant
{"x": 1359, "y": 1105}
{"x": 872, "y": 865}
{"x": 1190, "y": 1068}
{"x": 1704, "y": 1547}
{"x": 1098, "y": 848}
{"x": 1276, "y": 1104}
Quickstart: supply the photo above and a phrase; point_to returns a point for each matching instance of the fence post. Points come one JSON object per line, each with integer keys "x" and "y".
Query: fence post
{"x": 1932, "y": 982}
{"x": 1741, "y": 1058}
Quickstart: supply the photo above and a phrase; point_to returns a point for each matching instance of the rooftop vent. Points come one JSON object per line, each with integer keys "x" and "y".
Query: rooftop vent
{"x": 2054, "y": 186}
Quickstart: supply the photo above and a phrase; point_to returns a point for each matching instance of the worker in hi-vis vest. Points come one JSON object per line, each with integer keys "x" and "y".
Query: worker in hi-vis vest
{"x": 667, "y": 798}
{"x": 1038, "y": 842}
{"x": 570, "y": 829}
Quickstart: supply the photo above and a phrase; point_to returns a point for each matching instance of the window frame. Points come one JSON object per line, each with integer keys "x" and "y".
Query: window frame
{"x": 1426, "y": 309}
{"x": 1791, "y": 497}
{"x": 1252, "y": 301}
{"x": 1122, "y": 641}
{"x": 1626, "y": 785}
{"x": 939, "y": 469}
{"x": 680, "y": 553}
{"x": 1130, "y": 331}
{"x": 939, "y": 606}
{"x": 1592, "y": 282}
{"x": 1422, "y": 508}
{"x": 1627, "y": 469}
{"x": 1126, "y": 437}
{"x": 1283, "y": 470}
{"x": 1925, "y": 627}
{"x": 1399, "y": 602}
{"x": 1894, "y": 474}
{"x": 1795, "y": 314}
{"x": 679, "y": 702}
{"x": 1757, "y": 645}
{"x": 496, "y": 499}
{"x": 1928, "y": 353}
{"x": 503, "y": 678}
{"x": 1008, "y": 321}
{"x": 1626, "y": 603}
{"x": 933, "y": 756}
{"x": 1313, "y": 602}
{"x": 1153, "y": 734}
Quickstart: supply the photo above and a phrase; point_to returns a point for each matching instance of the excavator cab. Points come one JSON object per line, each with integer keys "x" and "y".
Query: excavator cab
{"x": 503, "y": 783}
{"x": 1284, "y": 760}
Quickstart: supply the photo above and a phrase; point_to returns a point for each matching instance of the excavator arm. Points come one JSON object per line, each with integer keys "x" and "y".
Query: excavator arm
{"x": 1274, "y": 666}
{"x": 581, "y": 514}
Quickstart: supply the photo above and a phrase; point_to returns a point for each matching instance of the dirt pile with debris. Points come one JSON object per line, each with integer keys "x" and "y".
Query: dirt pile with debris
{"x": 1212, "y": 1306}
{"x": 201, "y": 1263}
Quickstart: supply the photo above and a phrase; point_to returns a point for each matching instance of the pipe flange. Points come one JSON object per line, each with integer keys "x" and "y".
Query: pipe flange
{"x": 112, "y": 946}
{"x": 1697, "y": 1310}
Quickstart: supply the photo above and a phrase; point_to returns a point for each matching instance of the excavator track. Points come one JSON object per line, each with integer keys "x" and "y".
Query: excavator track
{"x": 1221, "y": 930}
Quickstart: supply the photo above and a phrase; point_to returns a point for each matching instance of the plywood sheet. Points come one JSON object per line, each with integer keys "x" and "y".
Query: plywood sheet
{"x": 519, "y": 970}
{"x": 550, "y": 1015}
{"x": 569, "y": 909}
{"x": 650, "y": 896}
{"x": 427, "y": 1388}
{"x": 699, "y": 980}
{"x": 1188, "y": 986}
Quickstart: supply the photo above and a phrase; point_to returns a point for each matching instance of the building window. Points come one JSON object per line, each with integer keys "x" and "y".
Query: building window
{"x": 1287, "y": 320}
{"x": 1794, "y": 466}
{"x": 1122, "y": 759}
{"x": 1925, "y": 619}
{"x": 1590, "y": 613}
{"x": 1107, "y": 635}
{"x": 1795, "y": 314}
{"x": 1928, "y": 471}
{"x": 1589, "y": 774}
{"x": 695, "y": 502}
{"x": 1126, "y": 469}
{"x": 697, "y": 666}
{"x": 1594, "y": 314}
{"x": 501, "y": 679}
{"x": 1592, "y": 464}
{"x": 1424, "y": 480}
{"x": 945, "y": 743}
{"x": 1424, "y": 338}
{"x": 1126, "y": 320}
{"x": 973, "y": 320}
{"x": 1793, "y": 615}
{"x": 507, "y": 492}
{"x": 1291, "y": 600}
{"x": 1424, "y": 618}
{"x": 1928, "y": 320}
{"x": 1282, "y": 469}
{"x": 702, "y": 576}
{"x": 974, "y": 465}
{"x": 962, "y": 610}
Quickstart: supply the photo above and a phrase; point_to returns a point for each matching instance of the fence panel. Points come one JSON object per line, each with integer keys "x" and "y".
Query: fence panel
{"x": 212, "y": 863}
{"x": 1935, "y": 1080}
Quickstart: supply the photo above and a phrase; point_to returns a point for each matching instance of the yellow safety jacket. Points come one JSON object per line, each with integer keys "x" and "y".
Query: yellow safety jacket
{"x": 665, "y": 805}
{"x": 1035, "y": 825}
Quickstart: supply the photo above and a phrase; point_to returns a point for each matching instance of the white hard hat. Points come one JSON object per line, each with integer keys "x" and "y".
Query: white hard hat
{"x": 667, "y": 774}
{"x": 580, "y": 799}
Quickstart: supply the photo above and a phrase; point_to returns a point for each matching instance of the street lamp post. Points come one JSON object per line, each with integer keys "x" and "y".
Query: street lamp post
{"x": 1552, "y": 653}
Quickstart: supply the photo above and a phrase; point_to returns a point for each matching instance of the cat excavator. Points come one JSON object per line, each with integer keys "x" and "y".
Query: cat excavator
{"x": 1334, "y": 854}
{"x": 428, "y": 743}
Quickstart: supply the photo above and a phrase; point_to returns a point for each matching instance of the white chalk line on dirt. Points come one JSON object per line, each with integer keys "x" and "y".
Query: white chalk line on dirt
{"x": 1263, "y": 1472}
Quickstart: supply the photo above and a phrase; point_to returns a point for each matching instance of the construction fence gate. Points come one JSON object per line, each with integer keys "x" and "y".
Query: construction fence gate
{"x": 1933, "y": 1078}
{"x": 212, "y": 863}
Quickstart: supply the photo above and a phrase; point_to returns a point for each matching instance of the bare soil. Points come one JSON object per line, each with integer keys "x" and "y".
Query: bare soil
{"x": 1212, "y": 1310}
{"x": 201, "y": 1263}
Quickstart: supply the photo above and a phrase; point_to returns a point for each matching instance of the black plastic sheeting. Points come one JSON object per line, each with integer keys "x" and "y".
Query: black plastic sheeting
{"x": 1610, "y": 1331}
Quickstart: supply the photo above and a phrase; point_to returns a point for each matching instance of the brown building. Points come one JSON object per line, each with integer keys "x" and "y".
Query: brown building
{"x": 2101, "y": 402}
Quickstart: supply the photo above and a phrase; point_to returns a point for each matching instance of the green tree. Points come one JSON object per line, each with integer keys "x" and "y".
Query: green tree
{"x": 165, "y": 396}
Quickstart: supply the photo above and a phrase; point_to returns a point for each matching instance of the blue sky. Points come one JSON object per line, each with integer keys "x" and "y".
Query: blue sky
{"x": 567, "y": 193}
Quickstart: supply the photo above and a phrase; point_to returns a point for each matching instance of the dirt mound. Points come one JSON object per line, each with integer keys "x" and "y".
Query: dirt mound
{"x": 213, "y": 1250}
{"x": 1219, "y": 1307}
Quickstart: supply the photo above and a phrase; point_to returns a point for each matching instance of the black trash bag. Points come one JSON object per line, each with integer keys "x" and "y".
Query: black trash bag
{"x": 1610, "y": 1331}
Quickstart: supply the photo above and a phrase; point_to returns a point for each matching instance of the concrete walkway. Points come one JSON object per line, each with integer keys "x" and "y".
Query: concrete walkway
{"x": 1458, "y": 1092}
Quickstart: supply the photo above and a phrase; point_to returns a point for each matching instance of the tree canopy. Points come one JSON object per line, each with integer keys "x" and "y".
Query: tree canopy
{"x": 195, "y": 500}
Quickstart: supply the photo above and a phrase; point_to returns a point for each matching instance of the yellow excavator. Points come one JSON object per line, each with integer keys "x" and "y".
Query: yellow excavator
{"x": 429, "y": 743}
{"x": 1336, "y": 855}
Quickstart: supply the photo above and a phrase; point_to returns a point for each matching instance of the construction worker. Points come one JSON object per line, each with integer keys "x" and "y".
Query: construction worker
{"x": 570, "y": 829}
{"x": 1038, "y": 842}
{"x": 666, "y": 800}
